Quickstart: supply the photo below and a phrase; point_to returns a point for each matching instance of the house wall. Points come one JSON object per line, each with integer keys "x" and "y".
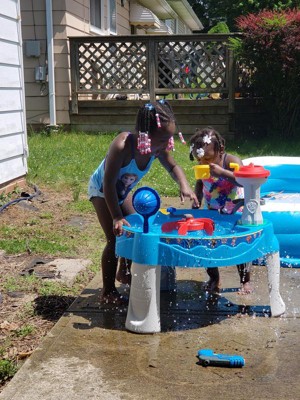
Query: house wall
{"x": 13, "y": 135}
{"x": 70, "y": 18}
{"x": 182, "y": 28}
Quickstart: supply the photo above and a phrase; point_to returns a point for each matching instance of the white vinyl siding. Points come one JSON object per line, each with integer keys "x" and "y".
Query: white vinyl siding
{"x": 13, "y": 139}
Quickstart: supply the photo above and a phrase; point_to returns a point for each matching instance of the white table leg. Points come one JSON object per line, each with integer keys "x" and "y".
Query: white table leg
{"x": 276, "y": 302}
{"x": 143, "y": 315}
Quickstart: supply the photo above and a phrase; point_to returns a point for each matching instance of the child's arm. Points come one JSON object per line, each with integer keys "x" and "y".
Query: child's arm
{"x": 227, "y": 173}
{"x": 199, "y": 191}
{"x": 114, "y": 161}
{"x": 178, "y": 175}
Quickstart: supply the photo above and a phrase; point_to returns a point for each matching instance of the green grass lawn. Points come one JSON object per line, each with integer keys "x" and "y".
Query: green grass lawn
{"x": 65, "y": 160}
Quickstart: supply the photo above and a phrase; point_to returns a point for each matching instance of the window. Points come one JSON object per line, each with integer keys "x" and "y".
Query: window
{"x": 100, "y": 11}
{"x": 96, "y": 14}
{"x": 112, "y": 16}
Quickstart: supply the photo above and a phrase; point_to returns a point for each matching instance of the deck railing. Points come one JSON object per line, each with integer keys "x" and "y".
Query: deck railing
{"x": 181, "y": 66}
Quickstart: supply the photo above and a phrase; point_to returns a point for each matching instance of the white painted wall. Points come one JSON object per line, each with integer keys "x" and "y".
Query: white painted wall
{"x": 13, "y": 135}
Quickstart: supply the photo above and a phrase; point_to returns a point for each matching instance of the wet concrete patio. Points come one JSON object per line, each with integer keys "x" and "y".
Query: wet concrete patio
{"x": 90, "y": 355}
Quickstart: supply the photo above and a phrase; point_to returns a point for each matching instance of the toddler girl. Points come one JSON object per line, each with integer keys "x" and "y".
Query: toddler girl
{"x": 218, "y": 191}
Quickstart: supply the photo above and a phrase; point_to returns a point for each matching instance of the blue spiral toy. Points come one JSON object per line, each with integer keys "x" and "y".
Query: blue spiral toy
{"x": 146, "y": 202}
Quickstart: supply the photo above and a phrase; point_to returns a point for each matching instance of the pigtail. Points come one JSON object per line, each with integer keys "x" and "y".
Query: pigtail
{"x": 150, "y": 118}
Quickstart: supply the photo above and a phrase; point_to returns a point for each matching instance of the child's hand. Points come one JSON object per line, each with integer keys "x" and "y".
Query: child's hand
{"x": 216, "y": 170}
{"x": 118, "y": 226}
{"x": 191, "y": 195}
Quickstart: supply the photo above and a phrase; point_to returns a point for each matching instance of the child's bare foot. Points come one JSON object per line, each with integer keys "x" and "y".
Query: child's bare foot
{"x": 212, "y": 286}
{"x": 246, "y": 288}
{"x": 124, "y": 276}
{"x": 113, "y": 298}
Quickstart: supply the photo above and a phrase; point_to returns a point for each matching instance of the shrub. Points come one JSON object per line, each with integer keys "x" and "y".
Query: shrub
{"x": 270, "y": 46}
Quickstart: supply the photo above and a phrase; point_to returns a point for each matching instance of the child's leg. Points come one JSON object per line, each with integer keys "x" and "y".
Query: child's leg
{"x": 213, "y": 285}
{"x": 123, "y": 274}
{"x": 109, "y": 261}
{"x": 244, "y": 272}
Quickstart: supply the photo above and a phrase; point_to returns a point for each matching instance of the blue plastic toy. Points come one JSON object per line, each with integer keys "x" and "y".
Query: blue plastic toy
{"x": 208, "y": 358}
{"x": 281, "y": 195}
{"x": 146, "y": 202}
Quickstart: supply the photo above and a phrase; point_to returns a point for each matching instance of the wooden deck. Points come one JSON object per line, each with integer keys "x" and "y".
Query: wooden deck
{"x": 177, "y": 66}
{"x": 119, "y": 115}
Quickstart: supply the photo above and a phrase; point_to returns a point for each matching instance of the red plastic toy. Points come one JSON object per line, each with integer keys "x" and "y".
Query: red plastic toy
{"x": 189, "y": 224}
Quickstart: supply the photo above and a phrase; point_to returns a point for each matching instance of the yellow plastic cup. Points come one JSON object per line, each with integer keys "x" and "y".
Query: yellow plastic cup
{"x": 202, "y": 171}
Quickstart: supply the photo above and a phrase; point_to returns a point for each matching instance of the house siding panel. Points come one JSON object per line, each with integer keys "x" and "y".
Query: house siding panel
{"x": 10, "y": 123}
{"x": 8, "y": 29}
{"x": 10, "y": 76}
{"x": 77, "y": 9}
{"x": 38, "y": 5}
{"x": 61, "y": 61}
{"x": 81, "y": 25}
{"x": 37, "y": 117}
{"x": 63, "y": 117}
{"x": 12, "y": 169}
{"x": 37, "y": 33}
{"x": 61, "y": 89}
{"x": 38, "y": 19}
{"x": 11, "y": 148}
{"x": 11, "y": 100}
{"x": 9, "y": 53}
{"x": 63, "y": 75}
{"x": 13, "y": 135}
{"x": 34, "y": 90}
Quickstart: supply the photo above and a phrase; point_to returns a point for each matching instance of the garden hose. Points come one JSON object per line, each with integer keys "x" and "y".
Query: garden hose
{"x": 24, "y": 196}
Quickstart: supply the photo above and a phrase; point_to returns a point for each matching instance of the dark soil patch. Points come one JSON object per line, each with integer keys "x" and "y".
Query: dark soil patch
{"x": 25, "y": 315}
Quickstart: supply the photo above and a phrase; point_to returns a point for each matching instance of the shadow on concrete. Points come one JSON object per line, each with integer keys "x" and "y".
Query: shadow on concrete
{"x": 188, "y": 307}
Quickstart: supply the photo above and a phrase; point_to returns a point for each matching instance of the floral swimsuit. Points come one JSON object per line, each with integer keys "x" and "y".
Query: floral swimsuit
{"x": 219, "y": 192}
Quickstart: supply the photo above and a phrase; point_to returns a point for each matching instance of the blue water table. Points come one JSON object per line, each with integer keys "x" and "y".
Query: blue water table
{"x": 194, "y": 239}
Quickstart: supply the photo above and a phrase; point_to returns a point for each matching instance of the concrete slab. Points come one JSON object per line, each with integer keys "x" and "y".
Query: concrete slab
{"x": 67, "y": 269}
{"x": 90, "y": 355}
{"x": 63, "y": 269}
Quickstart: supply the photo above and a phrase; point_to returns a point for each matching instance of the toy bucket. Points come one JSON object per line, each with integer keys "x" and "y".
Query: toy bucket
{"x": 202, "y": 171}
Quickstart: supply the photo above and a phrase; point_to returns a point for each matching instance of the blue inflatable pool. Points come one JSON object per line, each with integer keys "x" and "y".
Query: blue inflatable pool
{"x": 281, "y": 194}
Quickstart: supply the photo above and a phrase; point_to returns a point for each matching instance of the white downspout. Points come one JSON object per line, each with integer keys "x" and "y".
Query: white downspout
{"x": 51, "y": 77}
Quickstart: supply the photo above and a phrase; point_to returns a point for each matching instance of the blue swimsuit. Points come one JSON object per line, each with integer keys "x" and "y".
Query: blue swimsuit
{"x": 128, "y": 177}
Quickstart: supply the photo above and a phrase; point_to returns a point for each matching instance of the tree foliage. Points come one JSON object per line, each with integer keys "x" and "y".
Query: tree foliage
{"x": 210, "y": 12}
{"x": 270, "y": 46}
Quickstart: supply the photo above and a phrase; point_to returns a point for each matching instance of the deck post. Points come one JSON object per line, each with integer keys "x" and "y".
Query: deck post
{"x": 231, "y": 89}
{"x": 74, "y": 76}
{"x": 152, "y": 60}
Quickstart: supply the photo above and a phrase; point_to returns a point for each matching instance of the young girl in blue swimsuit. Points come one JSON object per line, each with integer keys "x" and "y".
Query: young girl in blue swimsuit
{"x": 131, "y": 154}
{"x": 218, "y": 191}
